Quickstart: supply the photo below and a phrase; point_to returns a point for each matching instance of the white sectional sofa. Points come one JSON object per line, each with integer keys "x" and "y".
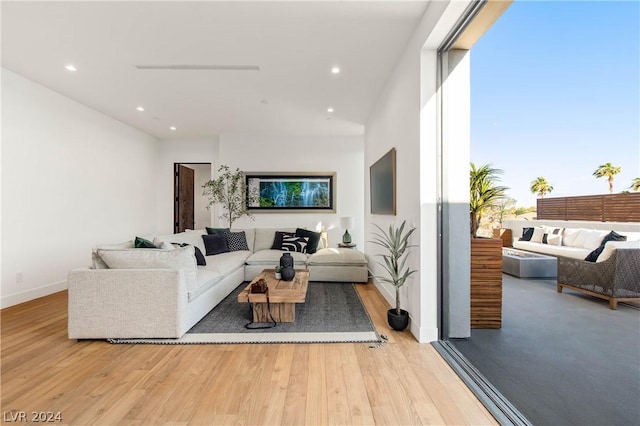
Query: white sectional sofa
{"x": 161, "y": 293}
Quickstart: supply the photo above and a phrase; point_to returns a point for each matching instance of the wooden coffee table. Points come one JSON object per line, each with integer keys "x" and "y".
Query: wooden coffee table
{"x": 283, "y": 296}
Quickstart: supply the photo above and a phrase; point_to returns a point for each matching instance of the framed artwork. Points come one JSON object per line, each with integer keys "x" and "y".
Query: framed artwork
{"x": 294, "y": 192}
{"x": 382, "y": 184}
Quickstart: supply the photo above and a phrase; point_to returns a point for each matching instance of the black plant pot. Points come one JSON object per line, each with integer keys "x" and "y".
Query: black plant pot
{"x": 398, "y": 322}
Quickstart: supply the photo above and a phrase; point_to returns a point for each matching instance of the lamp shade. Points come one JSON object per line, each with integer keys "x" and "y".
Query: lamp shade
{"x": 346, "y": 222}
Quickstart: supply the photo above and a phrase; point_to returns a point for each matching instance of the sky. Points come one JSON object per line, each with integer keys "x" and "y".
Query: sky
{"x": 555, "y": 92}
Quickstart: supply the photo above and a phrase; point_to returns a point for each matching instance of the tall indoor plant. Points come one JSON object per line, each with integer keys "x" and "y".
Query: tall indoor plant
{"x": 229, "y": 190}
{"x": 396, "y": 243}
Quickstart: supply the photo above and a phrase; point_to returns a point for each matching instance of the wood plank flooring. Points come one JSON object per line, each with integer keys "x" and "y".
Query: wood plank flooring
{"x": 94, "y": 382}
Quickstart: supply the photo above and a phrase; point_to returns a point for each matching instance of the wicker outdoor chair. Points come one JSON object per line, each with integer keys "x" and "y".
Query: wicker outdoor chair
{"x": 616, "y": 279}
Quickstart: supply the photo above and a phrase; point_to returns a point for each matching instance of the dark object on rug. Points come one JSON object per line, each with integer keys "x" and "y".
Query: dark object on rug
{"x": 398, "y": 321}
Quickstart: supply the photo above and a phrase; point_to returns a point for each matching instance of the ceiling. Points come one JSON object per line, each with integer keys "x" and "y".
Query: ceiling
{"x": 294, "y": 44}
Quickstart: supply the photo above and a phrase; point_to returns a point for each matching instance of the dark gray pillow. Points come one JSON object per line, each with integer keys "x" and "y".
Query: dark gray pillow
{"x": 215, "y": 243}
{"x": 314, "y": 239}
{"x": 527, "y": 233}
{"x": 216, "y": 230}
{"x": 611, "y": 236}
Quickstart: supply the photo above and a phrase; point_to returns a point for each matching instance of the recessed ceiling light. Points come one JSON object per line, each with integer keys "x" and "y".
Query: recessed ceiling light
{"x": 335, "y": 70}
{"x": 329, "y": 109}
{"x": 140, "y": 108}
{"x": 70, "y": 67}
{"x": 172, "y": 127}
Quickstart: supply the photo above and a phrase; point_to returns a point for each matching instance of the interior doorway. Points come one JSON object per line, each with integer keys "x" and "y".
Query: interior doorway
{"x": 190, "y": 205}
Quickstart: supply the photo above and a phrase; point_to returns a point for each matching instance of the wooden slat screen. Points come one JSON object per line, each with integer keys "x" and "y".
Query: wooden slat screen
{"x": 600, "y": 208}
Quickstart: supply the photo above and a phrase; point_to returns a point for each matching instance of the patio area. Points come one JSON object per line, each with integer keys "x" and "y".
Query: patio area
{"x": 561, "y": 358}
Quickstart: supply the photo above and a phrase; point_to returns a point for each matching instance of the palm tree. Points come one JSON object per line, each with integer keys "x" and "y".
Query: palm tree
{"x": 609, "y": 171}
{"x": 541, "y": 187}
{"x": 635, "y": 184}
{"x": 483, "y": 192}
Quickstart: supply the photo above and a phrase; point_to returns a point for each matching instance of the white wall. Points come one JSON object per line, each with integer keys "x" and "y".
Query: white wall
{"x": 405, "y": 116}
{"x": 178, "y": 150}
{"x": 71, "y": 178}
{"x": 343, "y": 155}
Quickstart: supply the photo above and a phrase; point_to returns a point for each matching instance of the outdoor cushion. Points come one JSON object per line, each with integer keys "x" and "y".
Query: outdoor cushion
{"x": 573, "y": 252}
{"x": 611, "y": 236}
{"x": 610, "y": 246}
{"x": 337, "y": 256}
{"x": 538, "y": 232}
{"x": 593, "y": 238}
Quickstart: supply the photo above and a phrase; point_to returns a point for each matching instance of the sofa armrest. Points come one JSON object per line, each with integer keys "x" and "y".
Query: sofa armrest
{"x": 127, "y": 303}
{"x": 618, "y": 276}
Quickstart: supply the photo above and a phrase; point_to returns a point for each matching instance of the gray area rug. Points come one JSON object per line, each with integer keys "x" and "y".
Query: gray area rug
{"x": 332, "y": 313}
{"x": 561, "y": 358}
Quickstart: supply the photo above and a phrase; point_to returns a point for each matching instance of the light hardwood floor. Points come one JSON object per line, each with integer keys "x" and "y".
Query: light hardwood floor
{"x": 94, "y": 382}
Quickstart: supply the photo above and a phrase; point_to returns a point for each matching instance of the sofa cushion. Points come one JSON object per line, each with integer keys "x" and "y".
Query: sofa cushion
{"x": 215, "y": 244}
{"x": 569, "y": 236}
{"x": 205, "y": 280}
{"x": 250, "y": 234}
{"x": 212, "y": 231}
{"x": 538, "y": 232}
{"x": 593, "y": 238}
{"x": 552, "y": 239}
{"x": 200, "y": 260}
{"x": 265, "y": 236}
{"x": 611, "y": 236}
{"x": 236, "y": 241}
{"x": 573, "y": 252}
{"x": 225, "y": 263}
{"x": 272, "y": 257}
{"x": 182, "y": 258}
{"x": 189, "y": 237}
{"x": 314, "y": 239}
{"x": 337, "y": 257}
{"x": 611, "y": 246}
{"x": 97, "y": 261}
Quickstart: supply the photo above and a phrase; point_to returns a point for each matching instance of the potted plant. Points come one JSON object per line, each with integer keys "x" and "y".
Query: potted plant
{"x": 486, "y": 253}
{"x": 396, "y": 242}
{"x": 278, "y": 274}
{"x": 229, "y": 190}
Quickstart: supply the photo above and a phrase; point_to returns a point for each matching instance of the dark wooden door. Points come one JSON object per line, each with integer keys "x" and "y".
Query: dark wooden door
{"x": 183, "y": 211}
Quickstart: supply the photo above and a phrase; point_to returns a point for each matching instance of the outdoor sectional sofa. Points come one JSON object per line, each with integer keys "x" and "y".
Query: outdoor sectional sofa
{"x": 612, "y": 274}
{"x": 161, "y": 293}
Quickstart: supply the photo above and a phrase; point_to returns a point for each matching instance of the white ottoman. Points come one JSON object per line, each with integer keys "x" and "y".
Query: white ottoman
{"x": 338, "y": 265}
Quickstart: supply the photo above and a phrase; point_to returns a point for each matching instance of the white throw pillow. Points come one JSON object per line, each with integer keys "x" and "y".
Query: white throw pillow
{"x": 594, "y": 239}
{"x": 569, "y": 236}
{"x": 614, "y": 245}
{"x": 183, "y": 258}
{"x": 580, "y": 238}
{"x": 553, "y": 239}
{"x": 538, "y": 233}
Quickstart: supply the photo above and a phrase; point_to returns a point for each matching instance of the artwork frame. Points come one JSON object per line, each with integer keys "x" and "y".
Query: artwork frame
{"x": 294, "y": 192}
{"x": 382, "y": 184}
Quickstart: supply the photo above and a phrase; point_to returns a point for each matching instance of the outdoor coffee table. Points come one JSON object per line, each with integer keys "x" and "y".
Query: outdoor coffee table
{"x": 525, "y": 264}
{"x": 283, "y": 296}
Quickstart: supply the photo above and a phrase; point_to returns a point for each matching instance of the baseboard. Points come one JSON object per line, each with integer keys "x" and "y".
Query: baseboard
{"x": 423, "y": 335}
{"x": 31, "y": 294}
{"x": 499, "y": 407}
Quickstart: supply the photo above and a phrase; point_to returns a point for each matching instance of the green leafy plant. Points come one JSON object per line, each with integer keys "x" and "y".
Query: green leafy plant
{"x": 635, "y": 185}
{"x": 541, "y": 187}
{"x": 278, "y": 269}
{"x": 229, "y": 190}
{"x": 396, "y": 242}
{"x": 484, "y": 193}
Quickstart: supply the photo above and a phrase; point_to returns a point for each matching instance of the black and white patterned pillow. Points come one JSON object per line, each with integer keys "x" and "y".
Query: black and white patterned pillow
{"x": 293, "y": 243}
{"x": 236, "y": 241}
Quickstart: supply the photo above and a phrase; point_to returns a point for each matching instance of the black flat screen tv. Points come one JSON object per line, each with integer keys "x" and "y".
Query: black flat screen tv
{"x": 382, "y": 183}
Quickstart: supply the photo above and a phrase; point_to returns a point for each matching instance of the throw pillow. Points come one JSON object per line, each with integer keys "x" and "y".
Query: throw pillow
{"x": 143, "y": 243}
{"x": 217, "y": 230}
{"x": 538, "y": 232}
{"x": 314, "y": 239}
{"x": 277, "y": 241}
{"x": 293, "y": 243}
{"x": 200, "y": 260}
{"x": 215, "y": 244}
{"x": 552, "y": 239}
{"x": 527, "y": 233}
{"x": 611, "y": 236}
{"x": 236, "y": 241}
